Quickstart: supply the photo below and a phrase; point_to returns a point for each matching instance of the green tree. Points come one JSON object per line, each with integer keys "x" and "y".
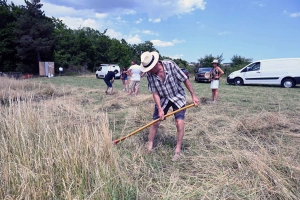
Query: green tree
{"x": 101, "y": 45}
{"x": 181, "y": 63}
{"x": 127, "y": 56}
{"x": 82, "y": 49}
{"x": 8, "y": 16}
{"x": 34, "y": 38}
{"x": 64, "y": 39}
{"x": 166, "y": 58}
{"x": 207, "y": 60}
{"x": 118, "y": 53}
{"x": 138, "y": 49}
{"x": 237, "y": 62}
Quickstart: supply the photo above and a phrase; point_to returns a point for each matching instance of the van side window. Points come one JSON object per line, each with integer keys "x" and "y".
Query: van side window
{"x": 100, "y": 68}
{"x": 254, "y": 67}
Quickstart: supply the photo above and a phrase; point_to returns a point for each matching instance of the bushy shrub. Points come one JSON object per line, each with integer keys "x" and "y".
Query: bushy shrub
{"x": 229, "y": 70}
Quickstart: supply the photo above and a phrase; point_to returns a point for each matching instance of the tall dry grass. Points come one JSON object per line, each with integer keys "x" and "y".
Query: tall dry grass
{"x": 58, "y": 145}
{"x": 253, "y": 157}
{"x": 53, "y": 149}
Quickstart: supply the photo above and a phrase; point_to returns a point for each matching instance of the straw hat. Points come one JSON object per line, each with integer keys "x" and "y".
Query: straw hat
{"x": 148, "y": 60}
{"x": 215, "y": 61}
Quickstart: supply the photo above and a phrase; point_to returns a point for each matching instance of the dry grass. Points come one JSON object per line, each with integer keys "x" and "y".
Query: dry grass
{"x": 56, "y": 143}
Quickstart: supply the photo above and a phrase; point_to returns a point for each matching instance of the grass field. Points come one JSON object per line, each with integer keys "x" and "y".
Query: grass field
{"x": 56, "y": 143}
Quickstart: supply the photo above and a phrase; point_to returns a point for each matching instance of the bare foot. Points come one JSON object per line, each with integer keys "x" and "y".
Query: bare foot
{"x": 176, "y": 156}
{"x": 149, "y": 151}
{"x": 150, "y": 146}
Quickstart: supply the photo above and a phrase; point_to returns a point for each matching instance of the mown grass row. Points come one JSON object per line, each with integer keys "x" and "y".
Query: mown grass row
{"x": 56, "y": 143}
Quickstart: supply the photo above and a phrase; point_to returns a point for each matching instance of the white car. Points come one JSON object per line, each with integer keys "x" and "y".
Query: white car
{"x": 104, "y": 68}
{"x": 284, "y": 72}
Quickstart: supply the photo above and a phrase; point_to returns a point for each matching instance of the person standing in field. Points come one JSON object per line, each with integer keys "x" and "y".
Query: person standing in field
{"x": 60, "y": 71}
{"x": 216, "y": 73}
{"x": 135, "y": 73}
{"x": 164, "y": 81}
{"x": 109, "y": 79}
{"x": 124, "y": 78}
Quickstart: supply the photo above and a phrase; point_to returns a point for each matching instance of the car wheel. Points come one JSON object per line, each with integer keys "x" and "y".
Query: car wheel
{"x": 97, "y": 76}
{"x": 238, "y": 81}
{"x": 288, "y": 83}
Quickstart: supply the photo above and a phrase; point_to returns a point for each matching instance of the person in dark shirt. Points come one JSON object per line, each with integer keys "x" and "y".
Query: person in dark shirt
{"x": 109, "y": 79}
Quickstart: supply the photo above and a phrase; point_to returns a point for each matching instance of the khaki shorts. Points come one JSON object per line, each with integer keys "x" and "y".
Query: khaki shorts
{"x": 134, "y": 84}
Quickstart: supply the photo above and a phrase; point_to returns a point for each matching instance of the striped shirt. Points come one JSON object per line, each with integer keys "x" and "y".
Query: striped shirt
{"x": 171, "y": 89}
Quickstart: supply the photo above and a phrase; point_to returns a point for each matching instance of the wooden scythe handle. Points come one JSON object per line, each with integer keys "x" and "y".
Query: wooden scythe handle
{"x": 153, "y": 122}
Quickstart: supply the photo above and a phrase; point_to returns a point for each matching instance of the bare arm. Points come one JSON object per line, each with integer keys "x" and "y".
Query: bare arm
{"x": 128, "y": 72}
{"x": 220, "y": 72}
{"x": 189, "y": 86}
{"x": 157, "y": 102}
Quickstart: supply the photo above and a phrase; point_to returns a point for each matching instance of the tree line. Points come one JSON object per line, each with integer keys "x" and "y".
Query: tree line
{"x": 237, "y": 62}
{"x": 28, "y": 36}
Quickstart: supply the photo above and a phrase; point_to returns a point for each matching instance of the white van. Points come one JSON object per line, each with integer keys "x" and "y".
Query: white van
{"x": 104, "y": 68}
{"x": 284, "y": 72}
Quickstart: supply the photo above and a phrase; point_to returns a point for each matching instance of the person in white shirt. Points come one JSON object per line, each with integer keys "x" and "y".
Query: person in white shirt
{"x": 60, "y": 71}
{"x": 135, "y": 73}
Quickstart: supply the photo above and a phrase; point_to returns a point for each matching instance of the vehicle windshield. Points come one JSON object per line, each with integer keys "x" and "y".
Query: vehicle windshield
{"x": 204, "y": 69}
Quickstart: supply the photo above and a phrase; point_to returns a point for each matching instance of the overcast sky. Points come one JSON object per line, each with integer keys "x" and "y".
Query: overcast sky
{"x": 191, "y": 29}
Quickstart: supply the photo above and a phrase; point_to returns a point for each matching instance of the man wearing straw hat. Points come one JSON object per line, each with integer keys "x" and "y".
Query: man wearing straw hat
{"x": 164, "y": 81}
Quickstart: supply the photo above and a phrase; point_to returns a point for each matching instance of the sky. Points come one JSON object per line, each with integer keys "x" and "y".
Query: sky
{"x": 191, "y": 29}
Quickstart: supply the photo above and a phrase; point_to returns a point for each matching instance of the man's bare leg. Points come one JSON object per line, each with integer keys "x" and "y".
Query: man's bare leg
{"x": 136, "y": 90}
{"x": 126, "y": 85}
{"x": 129, "y": 88}
{"x": 180, "y": 134}
{"x": 151, "y": 136}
